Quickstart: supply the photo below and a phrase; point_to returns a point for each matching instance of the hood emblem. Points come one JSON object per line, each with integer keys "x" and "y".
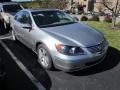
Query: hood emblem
{"x": 99, "y": 47}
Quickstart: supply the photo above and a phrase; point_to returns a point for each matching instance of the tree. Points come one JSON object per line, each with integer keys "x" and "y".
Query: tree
{"x": 80, "y": 8}
{"x": 99, "y": 6}
{"x": 114, "y": 7}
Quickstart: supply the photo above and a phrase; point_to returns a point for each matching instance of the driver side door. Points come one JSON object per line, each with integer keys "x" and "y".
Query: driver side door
{"x": 23, "y": 26}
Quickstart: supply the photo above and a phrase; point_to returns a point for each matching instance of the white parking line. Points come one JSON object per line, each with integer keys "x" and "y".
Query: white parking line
{"x": 1, "y": 38}
{"x": 23, "y": 68}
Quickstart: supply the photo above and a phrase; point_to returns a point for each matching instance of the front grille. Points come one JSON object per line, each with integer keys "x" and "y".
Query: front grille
{"x": 97, "y": 48}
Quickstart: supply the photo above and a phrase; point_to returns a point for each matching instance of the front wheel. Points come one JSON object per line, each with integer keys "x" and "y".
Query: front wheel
{"x": 44, "y": 58}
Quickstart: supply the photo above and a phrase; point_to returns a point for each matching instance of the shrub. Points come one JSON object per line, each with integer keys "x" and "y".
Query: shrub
{"x": 108, "y": 19}
{"x": 84, "y": 18}
{"x": 94, "y": 18}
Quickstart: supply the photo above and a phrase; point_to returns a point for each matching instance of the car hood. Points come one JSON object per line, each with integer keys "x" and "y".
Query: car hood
{"x": 77, "y": 33}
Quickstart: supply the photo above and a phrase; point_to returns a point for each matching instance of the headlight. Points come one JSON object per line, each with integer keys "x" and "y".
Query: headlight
{"x": 69, "y": 50}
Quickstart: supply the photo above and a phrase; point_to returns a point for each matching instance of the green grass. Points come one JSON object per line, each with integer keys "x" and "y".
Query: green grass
{"x": 112, "y": 36}
{"x": 31, "y": 4}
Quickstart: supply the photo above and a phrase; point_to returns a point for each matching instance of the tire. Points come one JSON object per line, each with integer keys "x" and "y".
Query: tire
{"x": 44, "y": 58}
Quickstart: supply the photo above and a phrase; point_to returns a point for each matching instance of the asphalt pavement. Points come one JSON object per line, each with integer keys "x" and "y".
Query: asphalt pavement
{"x": 104, "y": 76}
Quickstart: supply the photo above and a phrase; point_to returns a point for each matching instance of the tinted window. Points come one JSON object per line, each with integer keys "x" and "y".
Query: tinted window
{"x": 11, "y": 8}
{"x": 51, "y": 18}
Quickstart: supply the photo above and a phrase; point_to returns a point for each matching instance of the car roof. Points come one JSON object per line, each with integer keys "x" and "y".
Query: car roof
{"x": 39, "y": 9}
{"x": 7, "y": 3}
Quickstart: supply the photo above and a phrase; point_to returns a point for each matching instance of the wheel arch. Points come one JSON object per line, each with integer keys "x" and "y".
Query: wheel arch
{"x": 37, "y": 44}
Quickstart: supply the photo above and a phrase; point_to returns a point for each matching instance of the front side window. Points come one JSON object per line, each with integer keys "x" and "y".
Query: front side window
{"x": 51, "y": 18}
{"x": 23, "y": 17}
{"x": 18, "y": 17}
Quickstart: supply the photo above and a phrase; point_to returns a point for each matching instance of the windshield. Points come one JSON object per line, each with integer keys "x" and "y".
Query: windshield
{"x": 51, "y": 18}
{"x": 11, "y": 8}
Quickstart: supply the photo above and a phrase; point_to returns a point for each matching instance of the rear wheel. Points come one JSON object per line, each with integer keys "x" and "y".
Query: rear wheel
{"x": 44, "y": 58}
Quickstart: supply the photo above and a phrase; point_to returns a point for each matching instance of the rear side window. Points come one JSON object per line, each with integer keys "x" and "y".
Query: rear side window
{"x": 12, "y": 8}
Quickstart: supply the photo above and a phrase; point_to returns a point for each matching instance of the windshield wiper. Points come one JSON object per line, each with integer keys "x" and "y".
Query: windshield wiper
{"x": 52, "y": 25}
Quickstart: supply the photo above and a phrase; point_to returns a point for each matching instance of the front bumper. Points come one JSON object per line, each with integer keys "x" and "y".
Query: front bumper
{"x": 75, "y": 63}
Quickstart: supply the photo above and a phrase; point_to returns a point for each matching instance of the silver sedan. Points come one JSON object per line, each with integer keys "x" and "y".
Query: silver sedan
{"x": 59, "y": 40}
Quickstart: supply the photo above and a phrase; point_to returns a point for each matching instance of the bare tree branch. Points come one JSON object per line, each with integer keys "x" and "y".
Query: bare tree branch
{"x": 113, "y": 6}
{"x": 105, "y": 3}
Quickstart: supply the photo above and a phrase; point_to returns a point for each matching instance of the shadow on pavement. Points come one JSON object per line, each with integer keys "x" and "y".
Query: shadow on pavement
{"x": 2, "y": 75}
{"x": 111, "y": 60}
{"x": 29, "y": 59}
